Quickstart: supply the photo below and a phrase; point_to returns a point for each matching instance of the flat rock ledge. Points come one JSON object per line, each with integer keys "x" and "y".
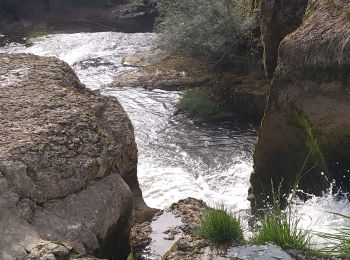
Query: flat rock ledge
{"x": 157, "y": 69}
{"x": 180, "y": 222}
{"x": 68, "y": 165}
{"x": 171, "y": 234}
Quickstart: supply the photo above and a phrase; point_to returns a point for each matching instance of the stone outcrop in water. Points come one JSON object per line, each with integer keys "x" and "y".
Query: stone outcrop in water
{"x": 68, "y": 164}
{"x": 19, "y": 17}
{"x": 240, "y": 91}
{"x": 305, "y": 133}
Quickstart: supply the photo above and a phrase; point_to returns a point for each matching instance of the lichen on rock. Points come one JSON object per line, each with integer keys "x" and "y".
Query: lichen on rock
{"x": 68, "y": 161}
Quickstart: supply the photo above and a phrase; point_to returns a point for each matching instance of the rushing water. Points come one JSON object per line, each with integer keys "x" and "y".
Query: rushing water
{"x": 178, "y": 157}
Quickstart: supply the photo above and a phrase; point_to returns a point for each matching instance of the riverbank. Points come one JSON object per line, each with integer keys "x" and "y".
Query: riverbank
{"x": 239, "y": 90}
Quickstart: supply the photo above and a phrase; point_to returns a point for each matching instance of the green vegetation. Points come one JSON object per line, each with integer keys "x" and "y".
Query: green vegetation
{"x": 282, "y": 228}
{"x": 214, "y": 29}
{"x": 199, "y": 104}
{"x": 35, "y": 34}
{"x": 338, "y": 243}
{"x": 131, "y": 256}
{"x": 312, "y": 145}
{"x": 346, "y": 13}
{"x": 220, "y": 226}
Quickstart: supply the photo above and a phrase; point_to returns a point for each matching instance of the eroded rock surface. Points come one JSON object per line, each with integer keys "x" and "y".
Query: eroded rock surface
{"x": 68, "y": 163}
{"x": 305, "y": 133}
{"x": 279, "y": 17}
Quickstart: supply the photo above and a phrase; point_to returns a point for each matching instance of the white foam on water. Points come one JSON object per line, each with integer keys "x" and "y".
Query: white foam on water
{"x": 177, "y": 157}
{"x": 95, "y": 57}
{"x": 163, "y": 186}
{"x": 323, "y": 214}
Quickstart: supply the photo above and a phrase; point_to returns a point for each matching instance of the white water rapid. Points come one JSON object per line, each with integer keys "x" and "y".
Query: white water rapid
{"x": 178, "y": 157}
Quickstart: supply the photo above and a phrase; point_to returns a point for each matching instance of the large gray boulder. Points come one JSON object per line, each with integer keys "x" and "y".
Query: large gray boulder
{"x": 68, "y": 164}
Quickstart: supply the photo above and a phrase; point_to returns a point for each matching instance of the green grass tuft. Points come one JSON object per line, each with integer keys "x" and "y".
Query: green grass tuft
{"x": 282, "y": 228}
{"x": 199, "y": 104}
{"x": 338, "y": 243}
{"x": 220, "y": 226}
{"x": 346, "y": 13}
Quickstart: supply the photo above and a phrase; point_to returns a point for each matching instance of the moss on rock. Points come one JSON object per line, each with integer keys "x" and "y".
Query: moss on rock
{"x": 305, "y": 131}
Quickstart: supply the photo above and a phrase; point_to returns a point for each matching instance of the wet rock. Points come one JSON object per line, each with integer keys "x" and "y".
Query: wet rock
{"x": 159, "y": 70}
{"x": 68, "y": 164}
{"x": 305, "y": 131}
{"x": 259, "y": 252}
{"x": 179, "y": 222}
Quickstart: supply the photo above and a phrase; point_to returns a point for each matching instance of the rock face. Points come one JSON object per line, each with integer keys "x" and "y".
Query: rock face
{"x": 279, "y": 17}
{"x": 19, "y": 17}
{"x": 68, "y": 163}
{"x": 305, "y": 133}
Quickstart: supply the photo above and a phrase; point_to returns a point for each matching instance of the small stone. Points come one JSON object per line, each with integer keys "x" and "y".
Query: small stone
{"x": 169, "y": 237}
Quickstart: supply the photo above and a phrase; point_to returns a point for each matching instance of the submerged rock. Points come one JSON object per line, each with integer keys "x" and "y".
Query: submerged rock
{"x": 305, "y": 135}
{"x": 68, "y": 164}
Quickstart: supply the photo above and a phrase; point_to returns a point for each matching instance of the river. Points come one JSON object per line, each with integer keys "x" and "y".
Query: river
{"x": 178, "y": 157}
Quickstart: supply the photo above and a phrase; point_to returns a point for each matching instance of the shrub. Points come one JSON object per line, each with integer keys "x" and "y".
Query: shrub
{"x": 220, "y": 226}
{"x": 203, "y": 27}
